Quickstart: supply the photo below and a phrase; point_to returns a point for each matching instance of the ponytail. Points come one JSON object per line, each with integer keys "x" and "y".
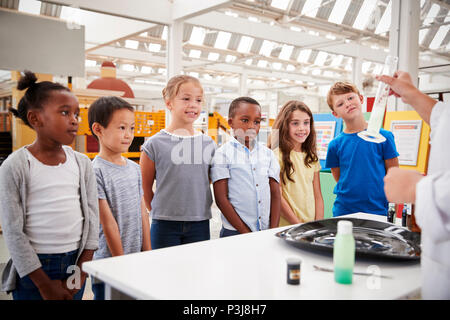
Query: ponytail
{"x": 37, "y": 93}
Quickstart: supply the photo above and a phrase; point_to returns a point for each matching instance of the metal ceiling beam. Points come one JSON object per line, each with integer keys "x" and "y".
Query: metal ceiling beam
{"x": 223, "y": 22}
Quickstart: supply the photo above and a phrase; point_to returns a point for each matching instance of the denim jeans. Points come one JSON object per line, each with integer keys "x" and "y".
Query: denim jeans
{"x": 165, "y": 233}
{"x": 55, "y": 266}
{"x": 227, "y": 233}
{"x": 98, "y": 289}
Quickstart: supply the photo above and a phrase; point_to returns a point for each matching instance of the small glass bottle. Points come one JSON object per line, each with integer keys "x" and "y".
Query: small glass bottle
{"x": 293, "y": 270}
{"x": 405, "y": 210}
{"x": 344, "y": 253}
{"x": 391, "y": 213}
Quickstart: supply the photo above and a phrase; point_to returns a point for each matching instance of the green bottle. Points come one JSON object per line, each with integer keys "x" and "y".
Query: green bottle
{"x": 344, "y": 253}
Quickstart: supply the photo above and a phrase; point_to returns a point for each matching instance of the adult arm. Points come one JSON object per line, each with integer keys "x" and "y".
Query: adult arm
{"x": 225, "y": 206}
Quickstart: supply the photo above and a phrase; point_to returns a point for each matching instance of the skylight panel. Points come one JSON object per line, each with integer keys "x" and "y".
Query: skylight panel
{"x": 316, "y": 72}
{"x": 214, "y": 56}
{"x": 245, "y": 44}
{"x": 231, "y": 14}
{"x": 290, "y": 67}
{"x": 276, "y": 65}
{"x": 378, "y": 69}
{"x": 286, "y": 52}
{"x": 385, "y": 22}
{"x": 339, "y": 10}
{"x": 280, "y": 4}
{"x": 364, "y": 14}
{"x": 266, "y": 48}
{"x": 30, "y": 6}
{"x": 432, "y": 13}
{"x": 297, "y": 29}
{"x": 222, "y": 40}
{"x": 195, "y": 53}
{"x": 248, "y": 61}
{"x": 146, "y": 69}
{"x": 128, "y": 67}
{"x": 197, "y": 36}
{"x": 321, "y": 58}
{"x": 304, "y": 55}
{"x": 164, "y": 33}
{"x": 311, "y": 7}
{"x": 262, "y": 64}
{"x": 131, "y": 44}
{"x": 422, "y": 34}
{"x": 440, "y": 35}
{"x": 154, "y": 47}
{"x": 337, "y": 61}
{"x": 230, "y": 58}
{"x": 90, "y": 63}
{"x": 365, "y": 66}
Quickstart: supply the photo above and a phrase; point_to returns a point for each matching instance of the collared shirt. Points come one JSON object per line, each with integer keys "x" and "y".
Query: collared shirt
{"x": 248, "y": 173}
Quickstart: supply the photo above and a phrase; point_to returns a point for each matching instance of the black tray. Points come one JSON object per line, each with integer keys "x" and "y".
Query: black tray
{"x": 372, "y": 238}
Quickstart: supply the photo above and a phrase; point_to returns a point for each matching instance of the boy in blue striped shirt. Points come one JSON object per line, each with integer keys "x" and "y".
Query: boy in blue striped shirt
{"x": 245, "y": 174}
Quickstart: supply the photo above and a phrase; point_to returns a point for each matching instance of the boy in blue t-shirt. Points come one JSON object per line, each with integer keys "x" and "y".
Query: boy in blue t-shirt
{"x": 358, "y": 166}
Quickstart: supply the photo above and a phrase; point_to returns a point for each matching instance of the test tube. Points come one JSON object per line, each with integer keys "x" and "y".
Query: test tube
{"x": 379, "y": 107}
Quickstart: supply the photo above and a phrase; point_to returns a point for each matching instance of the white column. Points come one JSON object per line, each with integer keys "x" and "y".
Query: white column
{"x": 404, "y": 40}
{"x": 174, "y": 49}
{"x": 357, "y": 72}
{"x": 243, "y": 90}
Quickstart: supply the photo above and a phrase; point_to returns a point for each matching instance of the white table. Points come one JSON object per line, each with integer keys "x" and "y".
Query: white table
{"x": 249, "y": 266}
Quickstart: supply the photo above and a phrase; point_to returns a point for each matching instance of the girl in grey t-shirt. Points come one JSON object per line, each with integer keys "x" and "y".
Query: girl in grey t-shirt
{"x": 179, "y": 160}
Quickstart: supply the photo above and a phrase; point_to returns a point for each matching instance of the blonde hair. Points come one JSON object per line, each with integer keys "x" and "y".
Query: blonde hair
{"x": 340, "y": 88}
{"x": 174, "y": 84}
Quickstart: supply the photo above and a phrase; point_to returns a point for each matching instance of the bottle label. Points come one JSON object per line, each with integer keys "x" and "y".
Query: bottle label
{"x": 294, "y": 274}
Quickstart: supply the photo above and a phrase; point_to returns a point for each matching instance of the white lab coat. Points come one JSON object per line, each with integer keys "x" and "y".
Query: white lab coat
{"x": 433, "y": 208}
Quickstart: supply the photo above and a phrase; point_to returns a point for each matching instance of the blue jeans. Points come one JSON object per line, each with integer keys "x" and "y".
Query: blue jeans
{"x": 165, "y": 233}
{"x": 55, "y": 266}
{"x": 227, "y": 233}
{"x": 98, "y": 289}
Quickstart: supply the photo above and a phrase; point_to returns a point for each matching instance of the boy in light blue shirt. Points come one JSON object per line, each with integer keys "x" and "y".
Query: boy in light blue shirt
{"x": 245, "y": 174}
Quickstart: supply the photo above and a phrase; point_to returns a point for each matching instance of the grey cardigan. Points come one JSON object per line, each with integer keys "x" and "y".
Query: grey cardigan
{"x": 14, "y": 177}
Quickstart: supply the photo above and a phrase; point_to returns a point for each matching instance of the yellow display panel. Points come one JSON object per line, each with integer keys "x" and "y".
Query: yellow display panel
{"x": 424, "y": 145}
{"x": 146, "y": 123}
